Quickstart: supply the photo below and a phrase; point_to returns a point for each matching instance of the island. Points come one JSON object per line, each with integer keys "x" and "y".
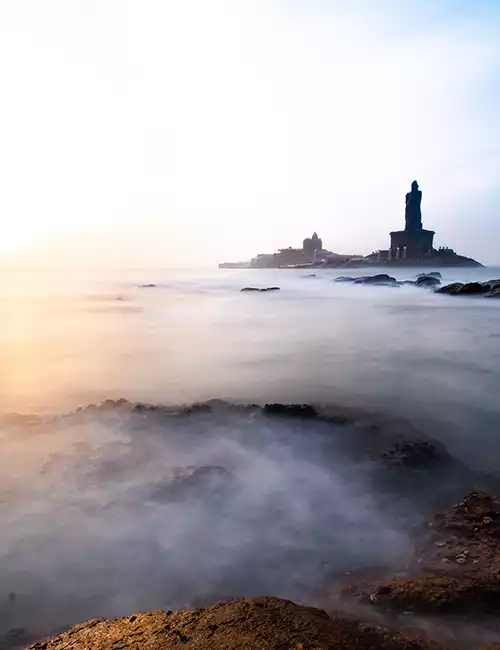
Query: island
{"x": 413, "y": 246}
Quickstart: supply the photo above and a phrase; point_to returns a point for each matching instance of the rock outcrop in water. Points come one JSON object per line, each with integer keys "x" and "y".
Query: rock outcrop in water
{"x": 265, "y": 622}
{"x": 489, "y": 289}
{"x": 431, "y": 274}
{"x": 378, "y": 279}
{"x": 432, "y": 280}
{"x": 429, "y": 280}
{"x": 261, "y": 290}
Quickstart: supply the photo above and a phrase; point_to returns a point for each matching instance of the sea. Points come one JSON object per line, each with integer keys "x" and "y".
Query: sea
{"x": 148, "y": 502}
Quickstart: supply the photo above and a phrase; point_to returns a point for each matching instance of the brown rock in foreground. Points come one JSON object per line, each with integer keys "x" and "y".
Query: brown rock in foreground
{"x": 257, "y": 623}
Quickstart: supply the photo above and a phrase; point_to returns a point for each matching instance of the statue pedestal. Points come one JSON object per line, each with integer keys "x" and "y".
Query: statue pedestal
{"x": 416, "y": 242}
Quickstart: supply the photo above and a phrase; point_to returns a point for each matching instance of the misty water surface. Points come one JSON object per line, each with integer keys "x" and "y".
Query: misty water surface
{"x": 90, "y": 523}
{"x": 71, "y": 338}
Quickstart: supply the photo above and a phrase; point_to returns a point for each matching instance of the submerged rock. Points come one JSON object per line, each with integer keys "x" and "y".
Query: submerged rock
{"x": 431, "y": 274}
{"x": 489, "y": 289}
{"x": 264, "y": 622}
{"x": 427, "y": 281}
{"x": 259, "y": 289}
{"x": 467, "y": 289}
{"x": 494, "y": 293}
{"x": 380, "y": 278}
{"x": 345, "y": 278}
{"x": 413, "y": 453}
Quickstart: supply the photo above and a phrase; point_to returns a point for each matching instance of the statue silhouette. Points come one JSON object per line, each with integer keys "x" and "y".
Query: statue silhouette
{"x": 413, "y": 213}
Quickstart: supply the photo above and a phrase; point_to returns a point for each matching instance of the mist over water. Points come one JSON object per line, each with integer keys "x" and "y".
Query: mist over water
{"x": 107, "y": 511}
{"x": 103, "y": 515}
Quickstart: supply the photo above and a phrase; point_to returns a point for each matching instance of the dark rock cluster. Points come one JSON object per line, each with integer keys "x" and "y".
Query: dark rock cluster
{"x": 489, "y": 289}
{"x": 430, "y": 280}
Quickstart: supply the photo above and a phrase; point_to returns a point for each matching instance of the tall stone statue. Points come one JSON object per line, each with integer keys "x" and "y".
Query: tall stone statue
{"x": 413, "y": 213}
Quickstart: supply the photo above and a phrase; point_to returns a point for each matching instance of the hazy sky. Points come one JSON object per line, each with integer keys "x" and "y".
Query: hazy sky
{"x": 167, "y": 131}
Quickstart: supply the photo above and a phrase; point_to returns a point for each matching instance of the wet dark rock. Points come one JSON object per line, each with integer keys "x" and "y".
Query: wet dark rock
{"x": 413, "y": 453}
{"x": 490, "y": 289}
{"x": 427, "y": 281}
{"x": 14, "y": 638}
{"x": 263, "y": 622}
{"x": 473, "y": 288}
{"x": 291, "y": 410}
{"x": 345, "y": 278}
{"x": 380, "y": 278}
{"x": 260, "y": 290}
{"x": 494, "y": 292}
{"x": 431, "y": 274}
{"x": 451, "y": 289}
{"x": 467, "y": 289}
{"x": 147, "y": 286}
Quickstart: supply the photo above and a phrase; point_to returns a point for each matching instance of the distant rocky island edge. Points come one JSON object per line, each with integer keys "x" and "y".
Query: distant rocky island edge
{"x": 413, "y": 246}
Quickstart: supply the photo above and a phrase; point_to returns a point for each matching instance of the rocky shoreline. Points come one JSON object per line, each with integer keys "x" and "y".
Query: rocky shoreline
{"x": 454, "y": 570}
{"x": 444, "y": 593}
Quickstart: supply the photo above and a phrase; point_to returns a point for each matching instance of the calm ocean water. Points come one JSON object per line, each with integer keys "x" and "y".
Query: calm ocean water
{"x": 73, "y": 338}
{"x": 90, "y": 525}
